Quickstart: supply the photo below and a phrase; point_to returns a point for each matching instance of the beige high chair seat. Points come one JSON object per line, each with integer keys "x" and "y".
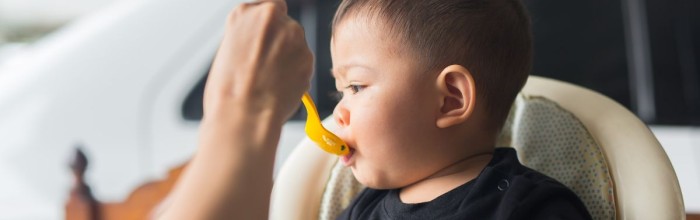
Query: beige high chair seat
{"x": 590, "y": 143}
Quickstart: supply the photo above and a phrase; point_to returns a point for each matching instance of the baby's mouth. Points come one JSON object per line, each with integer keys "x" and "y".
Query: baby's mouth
{"x": 346, "y": 158}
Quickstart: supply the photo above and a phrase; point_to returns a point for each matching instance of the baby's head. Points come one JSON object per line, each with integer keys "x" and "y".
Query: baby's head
{"x": 425, "y": 83}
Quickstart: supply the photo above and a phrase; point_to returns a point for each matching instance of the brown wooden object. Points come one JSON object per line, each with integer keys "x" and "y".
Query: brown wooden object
{"x": 81, "y": 204}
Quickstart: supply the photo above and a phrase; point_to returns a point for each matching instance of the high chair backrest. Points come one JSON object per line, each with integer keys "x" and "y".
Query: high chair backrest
{"x": 585, "y": 140}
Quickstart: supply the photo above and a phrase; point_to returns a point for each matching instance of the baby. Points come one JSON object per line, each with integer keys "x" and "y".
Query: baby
{"x": 426, "y": 86}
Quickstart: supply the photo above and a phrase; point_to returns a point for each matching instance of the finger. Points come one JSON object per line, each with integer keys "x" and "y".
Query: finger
{"x": 280, "y": 5}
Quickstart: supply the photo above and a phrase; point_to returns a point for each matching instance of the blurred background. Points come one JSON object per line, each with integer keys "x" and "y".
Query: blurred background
{"x": 123, "y": 81}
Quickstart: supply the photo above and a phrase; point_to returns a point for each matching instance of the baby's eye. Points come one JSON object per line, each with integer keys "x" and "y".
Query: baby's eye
{"x": 355, "y": 88}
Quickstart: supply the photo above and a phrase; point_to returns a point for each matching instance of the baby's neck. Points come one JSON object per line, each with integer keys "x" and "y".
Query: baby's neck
{"x": 446, "y": 179}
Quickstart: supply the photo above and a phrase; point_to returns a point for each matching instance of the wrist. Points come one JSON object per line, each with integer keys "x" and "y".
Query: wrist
{"x": 241, "y": 128}
{"x": 242, "y": 108}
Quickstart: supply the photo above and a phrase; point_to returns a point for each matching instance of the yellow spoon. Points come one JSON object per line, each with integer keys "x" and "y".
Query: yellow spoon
{"x": 317, "y": 133}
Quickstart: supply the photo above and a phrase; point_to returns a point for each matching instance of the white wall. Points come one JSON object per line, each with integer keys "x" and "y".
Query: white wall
{"x": 46, "y": 12}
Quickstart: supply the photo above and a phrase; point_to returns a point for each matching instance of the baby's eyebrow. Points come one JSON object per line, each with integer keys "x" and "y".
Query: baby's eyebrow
{"x": 350, "y": 66}
{"x": 337, "y": 73}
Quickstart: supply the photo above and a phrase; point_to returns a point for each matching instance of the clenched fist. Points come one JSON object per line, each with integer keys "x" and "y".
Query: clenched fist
{"x": 262, "y": 67}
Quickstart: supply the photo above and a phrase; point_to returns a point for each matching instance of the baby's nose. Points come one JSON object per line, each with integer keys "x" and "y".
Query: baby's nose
{"x": 341, "y": 116}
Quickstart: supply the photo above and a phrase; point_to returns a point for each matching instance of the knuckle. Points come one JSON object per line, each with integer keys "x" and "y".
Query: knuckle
{"x": 237, "y": 11}
{"x": 265, "y": 9}
{"x": 241, "y": 8}
{"x": 266, "y": 14}
{"x": 295, "y": 28}
{"x": 268, "y": 6}
{"x": 292, "y": 31}
{"x": 246, "y": 5}
{"x": 231, "y": 17}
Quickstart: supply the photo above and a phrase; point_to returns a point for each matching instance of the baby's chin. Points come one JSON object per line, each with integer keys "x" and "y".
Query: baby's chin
{"x": 375, "y": 181}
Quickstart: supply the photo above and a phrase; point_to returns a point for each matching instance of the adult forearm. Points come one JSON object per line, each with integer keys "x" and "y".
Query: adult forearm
{"x": 231, "y": 174}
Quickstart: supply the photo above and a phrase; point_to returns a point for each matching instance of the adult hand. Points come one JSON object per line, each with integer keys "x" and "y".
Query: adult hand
{"x": 257, "y": 79}
{"x": 263, "y": 65}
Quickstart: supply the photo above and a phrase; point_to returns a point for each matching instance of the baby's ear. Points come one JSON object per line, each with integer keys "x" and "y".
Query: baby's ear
{"x": 457, "y": 94}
